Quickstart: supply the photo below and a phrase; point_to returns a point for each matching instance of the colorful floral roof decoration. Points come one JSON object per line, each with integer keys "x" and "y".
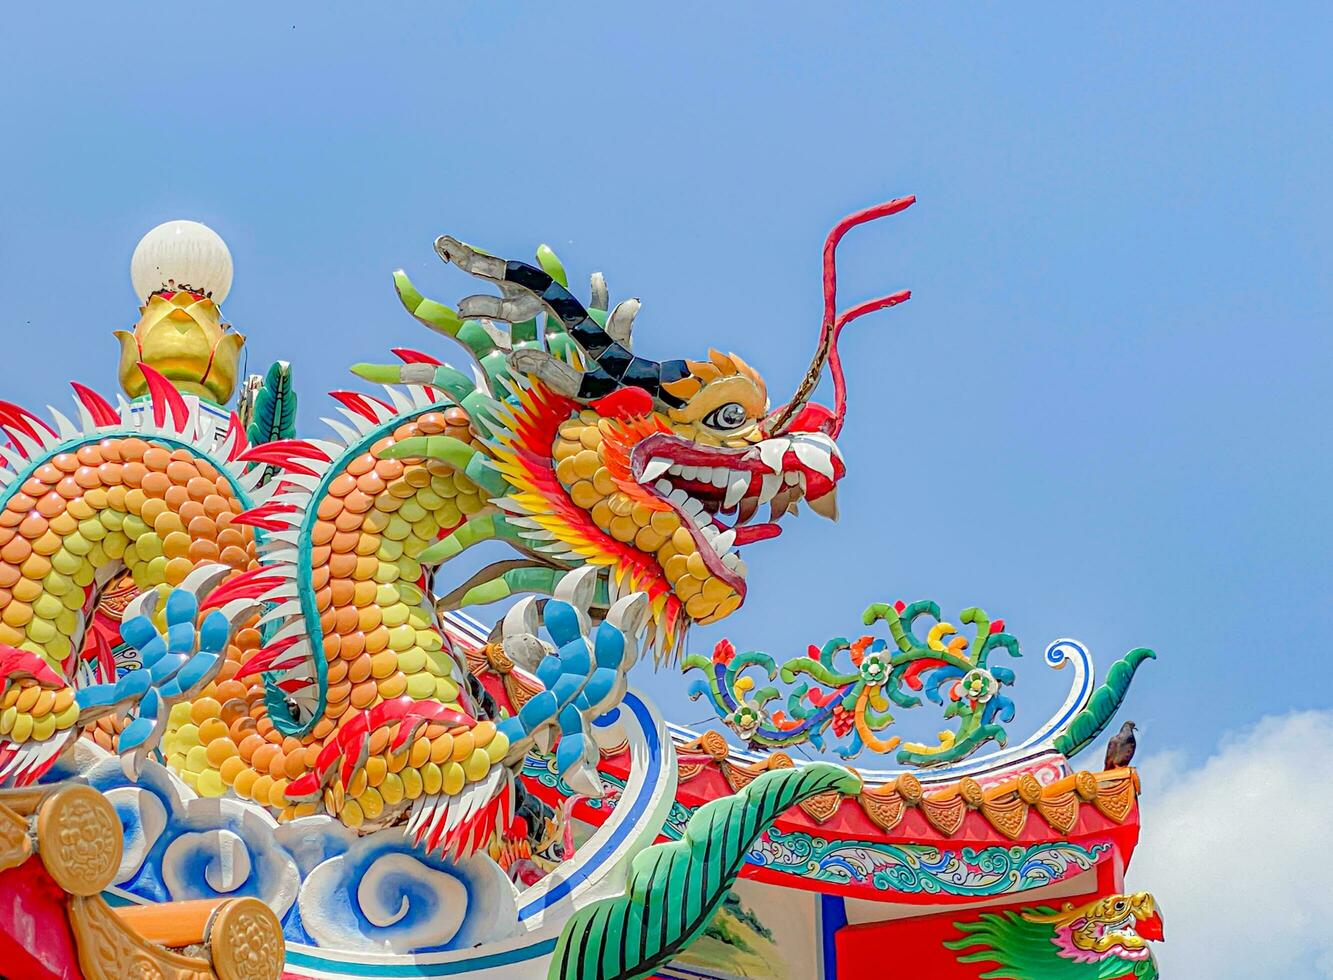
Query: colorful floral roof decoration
{"x": 853, "y": 701}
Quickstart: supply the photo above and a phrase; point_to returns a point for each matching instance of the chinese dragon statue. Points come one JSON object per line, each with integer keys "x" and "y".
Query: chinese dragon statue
{"x": 283, "y": 620}
{"x": 240, "y": 656}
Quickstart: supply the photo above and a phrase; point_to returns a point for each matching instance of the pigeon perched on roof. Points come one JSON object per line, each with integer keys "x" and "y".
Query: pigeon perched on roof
{"x": 1120, "y": 749}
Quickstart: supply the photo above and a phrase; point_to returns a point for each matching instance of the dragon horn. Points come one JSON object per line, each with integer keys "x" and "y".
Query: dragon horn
{"x": 826, "y": 351}
{"x": 614, "y": 365}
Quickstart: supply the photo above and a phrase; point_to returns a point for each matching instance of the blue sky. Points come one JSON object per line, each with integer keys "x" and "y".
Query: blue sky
{"x": 1103, "y": 414}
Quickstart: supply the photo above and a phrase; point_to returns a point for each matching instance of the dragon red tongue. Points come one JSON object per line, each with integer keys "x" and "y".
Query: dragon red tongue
{"x": 745, "y": 533}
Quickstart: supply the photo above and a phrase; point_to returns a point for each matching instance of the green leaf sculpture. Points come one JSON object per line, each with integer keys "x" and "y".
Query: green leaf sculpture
{"x": 674, "y": 888}
{"x": 274, "y": 414}
{"x": 1106, "y": 700}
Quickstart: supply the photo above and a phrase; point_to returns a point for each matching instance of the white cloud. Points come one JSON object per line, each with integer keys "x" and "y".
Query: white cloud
{"x": 1239, "y": 852}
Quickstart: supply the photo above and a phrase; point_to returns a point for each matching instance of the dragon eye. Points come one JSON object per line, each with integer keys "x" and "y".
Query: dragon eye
{"x": 732, "y": 415}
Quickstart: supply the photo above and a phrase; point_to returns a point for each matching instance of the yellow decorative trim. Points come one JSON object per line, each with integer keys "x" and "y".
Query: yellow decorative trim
{"x": 15, "y": 843}
{"x": 245, "y": 940}
{"x": 79, "y": 839}
{"x": 110, "y": 950}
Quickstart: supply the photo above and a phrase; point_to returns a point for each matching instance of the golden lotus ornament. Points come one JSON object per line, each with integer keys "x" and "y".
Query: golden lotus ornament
{"x": 181, "y": 335}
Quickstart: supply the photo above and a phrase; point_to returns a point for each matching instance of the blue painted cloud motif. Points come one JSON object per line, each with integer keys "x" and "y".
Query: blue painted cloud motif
{"x": 384, "y": 896}
{"x": 328, "y": 887}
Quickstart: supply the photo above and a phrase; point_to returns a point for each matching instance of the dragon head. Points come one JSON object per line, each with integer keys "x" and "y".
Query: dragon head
{"x": 1119, "y": 926}
{"x": 660, "y": 473}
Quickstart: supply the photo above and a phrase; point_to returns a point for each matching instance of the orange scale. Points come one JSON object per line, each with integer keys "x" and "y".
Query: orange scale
{"x": 176, "y": 544}
{"x": 457, "y": 417}
{"x": 192, "y": 510}
{"x": 51, "y": 505}
{"x": 359, "y": 669}
{"x": 370, "y": 617}
{"x": 132, "y": 474}
{"x": 87, "y": 477}
{"x": 432, "y": 423}
{"x": 33, "y": 526}
{"x": 342, "y": 566}
{"x": 65, "y": 462}
{"x": 109, "y": 474}
{"x": 10, "y": 519}
{"x": 7, "y": 535}
{"x": 319, "y": 577}
{"x": 323, "y": 728}
{"x": 319, "y": 555}
{"x": 156, "y": 458}
{"x": 9, "y": 574}
{"x": 202, "y": 550}
{"x": 364, "y": 593}
{"x": 249, "y": 745}
{"x": 89, "y": 455}
{"x": 329, "y": 508}
{"x": 342, "y": 485}
{"x": 377, "y": 640}
{"x": 346, "y": 619}
{"x": 348, "y": 521}
{"x": 297, "y": 764}
{"x": 151, "y": 509}
{"x": 215, "y": 505}
{"x": 358, "y": 501}
{"x": 156, "y": 483}
{"x": 364, "y": 694}
{"x": 48, "y": 544}
{"x": 362, "y": 465}
{"x": 114, "y": 449}
{"x": 248, "y": 638}
{"x": 343, "y": 590}
{"x": 230, "y": 537}
{"x": 345, "y": 541}
{"x": 326, "y": 620}
{"x": 353, "y": 644}
{"x": 200, "y": 488}
{"x": 338, "y": 693}
{"x": 229, "y": 691}
{"x": 20, "y": 502}
{"x": 69, "y": 489}
{"x": 374, "y": 482}
{"x": 366, "y": 567}
{"x": 322, "y": 533}
{"x": 337, "y": 672}
{"x": 263, "y": 755}
{"x": 323, "y": 599}
{"x": 200, "y": 527}
{"x": 243, "y": 728}
{"x": 237, "y": 558}
{"x": 175, "y": 496}
{"x": 206, "y": 469}
{"x": 277, "y": 766}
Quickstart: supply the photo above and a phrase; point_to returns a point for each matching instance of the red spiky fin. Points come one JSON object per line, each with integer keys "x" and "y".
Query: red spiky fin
{"x": 271, "y": 658}
{"x": 239, "y": 443}
{"x": 17, "y": 417}
{"x": 99, "y": 409}
{"x": 409, "y": 356}
{"x": 360, "y": 404}
{"x": 263, "y": 516}
{"x": 285, "y": 453}
{"x": 164, "y": 396}
{"x": 254, "y": 584}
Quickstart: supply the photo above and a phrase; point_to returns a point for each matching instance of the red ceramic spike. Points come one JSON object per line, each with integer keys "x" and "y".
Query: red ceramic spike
{"x": 410, "y": 356}
{"x": 237, "y": 434}
{"x": 265, "y": 659}
{"x": 164, "y": 396}
{"x": 98, "y": 407}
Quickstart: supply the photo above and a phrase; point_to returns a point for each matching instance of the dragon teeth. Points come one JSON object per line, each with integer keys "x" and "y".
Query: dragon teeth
{"x": 723, "y": 542}
{"x": 720, "y": 477}
{"x": 655, "y": 468}
{"x": 772, "y": 483}
{"x": 771, "y": 452}
{"x": 815, "y": 456}
{"x": 736, "y": 489}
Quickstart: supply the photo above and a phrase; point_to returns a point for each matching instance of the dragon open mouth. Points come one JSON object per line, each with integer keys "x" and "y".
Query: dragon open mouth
{"x": 718, "y": 491}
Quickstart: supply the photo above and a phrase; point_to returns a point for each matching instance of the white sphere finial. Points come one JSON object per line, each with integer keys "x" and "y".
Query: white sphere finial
{"x": 181, "y": 253}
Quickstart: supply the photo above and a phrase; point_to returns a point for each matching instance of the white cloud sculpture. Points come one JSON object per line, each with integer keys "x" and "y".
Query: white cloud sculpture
{"x": 1239, "y": 852}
